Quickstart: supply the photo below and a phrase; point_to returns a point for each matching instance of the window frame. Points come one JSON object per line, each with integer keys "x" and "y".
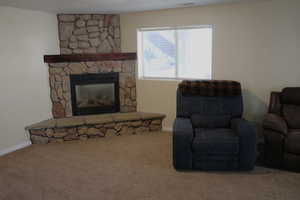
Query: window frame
{"x": 140, "y": 45}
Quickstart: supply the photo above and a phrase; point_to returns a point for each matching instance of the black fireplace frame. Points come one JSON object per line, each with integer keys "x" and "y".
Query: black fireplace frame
{"x": 85, "y": 79}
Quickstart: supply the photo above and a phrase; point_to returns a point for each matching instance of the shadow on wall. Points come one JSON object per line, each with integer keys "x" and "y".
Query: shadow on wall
{"x": 254, "y": 107}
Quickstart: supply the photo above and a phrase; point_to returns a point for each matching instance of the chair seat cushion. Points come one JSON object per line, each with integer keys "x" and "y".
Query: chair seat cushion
{"x": 218, "y": 141}
{"x": 292, "y": 142}
{"x": 210, "y": 121}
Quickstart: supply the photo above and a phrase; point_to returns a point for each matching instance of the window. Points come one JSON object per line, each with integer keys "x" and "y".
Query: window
{"x": 175, "y": 53}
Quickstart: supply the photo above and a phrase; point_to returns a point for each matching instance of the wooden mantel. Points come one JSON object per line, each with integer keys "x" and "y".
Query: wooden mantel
{"x": 88, "y": 57}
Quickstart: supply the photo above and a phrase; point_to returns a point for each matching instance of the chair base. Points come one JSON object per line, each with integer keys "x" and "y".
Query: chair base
{"x": 216, "y": 165}
{"x": 291, "y": 162}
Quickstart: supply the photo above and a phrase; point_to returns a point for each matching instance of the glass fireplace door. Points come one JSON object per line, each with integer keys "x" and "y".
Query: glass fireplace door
{"x": 95, "y": 93}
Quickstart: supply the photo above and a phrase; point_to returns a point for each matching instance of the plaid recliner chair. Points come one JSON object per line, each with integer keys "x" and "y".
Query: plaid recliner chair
{"x": 209, "y": 133}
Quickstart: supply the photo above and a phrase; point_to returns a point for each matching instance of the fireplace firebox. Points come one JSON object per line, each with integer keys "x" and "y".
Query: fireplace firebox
{"x": 95, "y": 93}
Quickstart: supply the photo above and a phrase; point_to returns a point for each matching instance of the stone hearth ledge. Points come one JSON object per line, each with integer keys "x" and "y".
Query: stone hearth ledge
{"x": 93, "y": 126}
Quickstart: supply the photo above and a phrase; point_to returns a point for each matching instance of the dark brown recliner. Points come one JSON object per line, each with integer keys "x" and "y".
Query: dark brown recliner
{"x": 282, "y": 130}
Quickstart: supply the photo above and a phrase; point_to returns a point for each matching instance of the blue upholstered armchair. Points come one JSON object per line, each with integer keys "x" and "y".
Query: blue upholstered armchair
{"x": 209, "y": 131}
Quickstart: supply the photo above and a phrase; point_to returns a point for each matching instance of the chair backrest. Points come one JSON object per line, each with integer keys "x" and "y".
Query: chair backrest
{"x": 209, "y": 98}
{"x": 290, "y": 109}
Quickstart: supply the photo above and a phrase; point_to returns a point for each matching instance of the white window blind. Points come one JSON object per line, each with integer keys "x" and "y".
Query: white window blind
{"x": 175, "y": 53}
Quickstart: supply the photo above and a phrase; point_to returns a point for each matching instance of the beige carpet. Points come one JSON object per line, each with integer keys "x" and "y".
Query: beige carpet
{"x": 129, "y": 168}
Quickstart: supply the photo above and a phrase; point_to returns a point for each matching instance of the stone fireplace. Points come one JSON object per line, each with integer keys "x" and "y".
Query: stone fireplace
{"x": 85, "y": 86}
{"x": 92, "y": 84}
{"x": 95, "y": 93}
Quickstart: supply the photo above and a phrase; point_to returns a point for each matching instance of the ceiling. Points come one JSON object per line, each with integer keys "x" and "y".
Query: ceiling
{"x": 106, "y": 6}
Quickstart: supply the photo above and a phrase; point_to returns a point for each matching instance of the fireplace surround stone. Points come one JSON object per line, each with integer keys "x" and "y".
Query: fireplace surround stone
{"x": 60, "y": 91}
{"x": 89, "y": 33}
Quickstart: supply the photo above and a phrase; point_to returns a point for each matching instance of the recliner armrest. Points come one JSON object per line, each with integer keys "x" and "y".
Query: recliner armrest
{"x": 183, "y": 135}
{"x": 183, "y": 128}
{"x": 275, "y": 123}
{"x": 247, "y": 140}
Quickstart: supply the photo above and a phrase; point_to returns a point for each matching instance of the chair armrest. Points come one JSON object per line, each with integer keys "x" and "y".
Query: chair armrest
{"x": 275, "y": 123}
{"x": 183, "y": 135}
{"x": 275, "y": 105}
{"x": 247, "y": 138}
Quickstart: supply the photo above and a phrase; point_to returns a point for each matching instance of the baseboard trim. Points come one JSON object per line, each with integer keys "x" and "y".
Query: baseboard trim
{"x": 167, "y": 129}
{"x": 15, "y": 147}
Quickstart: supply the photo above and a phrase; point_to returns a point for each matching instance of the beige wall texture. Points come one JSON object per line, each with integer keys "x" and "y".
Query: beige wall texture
{"x": 256, "y": 43}
{"x": 25, "y": 37}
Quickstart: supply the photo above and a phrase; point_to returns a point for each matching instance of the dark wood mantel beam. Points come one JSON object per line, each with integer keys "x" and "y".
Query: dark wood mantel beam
{"x": 89, "y": 57}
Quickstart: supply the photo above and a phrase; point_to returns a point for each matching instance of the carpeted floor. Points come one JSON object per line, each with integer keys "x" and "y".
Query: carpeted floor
{"x": 129, "y": 168}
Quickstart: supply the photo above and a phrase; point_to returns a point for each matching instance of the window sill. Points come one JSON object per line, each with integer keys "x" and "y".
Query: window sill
{"x": 168, "y": 79}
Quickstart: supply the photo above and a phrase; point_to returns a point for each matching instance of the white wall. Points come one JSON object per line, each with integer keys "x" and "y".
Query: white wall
{"x": 256, "y": 43}
{"x": 25, "y": 36}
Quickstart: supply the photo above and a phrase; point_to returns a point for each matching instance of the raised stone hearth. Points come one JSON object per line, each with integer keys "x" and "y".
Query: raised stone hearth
{"x": 94, "y": 126}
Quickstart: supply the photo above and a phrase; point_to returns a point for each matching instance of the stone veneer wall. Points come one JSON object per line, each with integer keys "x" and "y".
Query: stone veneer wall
{"x": 83, "y": 132}
{"x": 60, "y": 83}
{"x": 89, "y": 33}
